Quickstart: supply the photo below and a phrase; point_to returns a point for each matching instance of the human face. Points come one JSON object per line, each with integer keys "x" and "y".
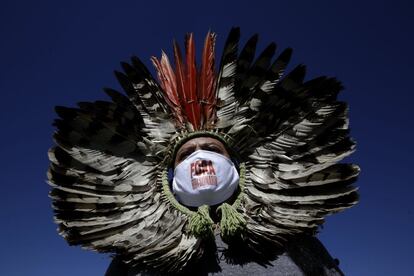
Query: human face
{"x": 199, "y": 143}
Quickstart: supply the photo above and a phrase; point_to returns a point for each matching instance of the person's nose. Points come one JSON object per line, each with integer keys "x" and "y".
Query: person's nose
{"x": 198, "y": 147}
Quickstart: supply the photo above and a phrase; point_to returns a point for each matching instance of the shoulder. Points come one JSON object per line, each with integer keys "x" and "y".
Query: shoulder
{"x": 304, "y": 255}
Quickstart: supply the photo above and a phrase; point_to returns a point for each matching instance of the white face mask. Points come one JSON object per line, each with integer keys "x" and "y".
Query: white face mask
{"x": 204, "y": 177}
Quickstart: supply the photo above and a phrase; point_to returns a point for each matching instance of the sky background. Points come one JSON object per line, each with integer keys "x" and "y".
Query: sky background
{"x": 61, "y": 52}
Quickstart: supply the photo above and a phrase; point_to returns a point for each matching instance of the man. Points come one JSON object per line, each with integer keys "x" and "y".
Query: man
{"x": 304, "y": 256}
{"x": 207, "y": 172}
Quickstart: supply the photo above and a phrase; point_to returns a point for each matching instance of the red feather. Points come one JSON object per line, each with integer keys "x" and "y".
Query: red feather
{"x": 169, "y": 85}
{"x": 207, "y": 84}
{"x": 192, "y": 106}
{"x": 190, "y": 93}
{"x": 180, "y": 72}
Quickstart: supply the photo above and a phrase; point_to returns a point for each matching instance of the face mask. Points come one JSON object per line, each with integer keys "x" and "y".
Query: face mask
{"x": 204, "y": 177}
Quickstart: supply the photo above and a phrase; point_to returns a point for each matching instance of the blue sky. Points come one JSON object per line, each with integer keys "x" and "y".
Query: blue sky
{"x": 61, "y": 52}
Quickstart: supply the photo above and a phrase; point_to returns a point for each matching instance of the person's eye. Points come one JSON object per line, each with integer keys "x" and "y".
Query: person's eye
{"x": 183, "y": 155}
{"x": 214, "y": 148}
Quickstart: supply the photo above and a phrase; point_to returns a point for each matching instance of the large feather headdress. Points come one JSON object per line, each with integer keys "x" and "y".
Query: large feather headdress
{"x": 108, "y": 170}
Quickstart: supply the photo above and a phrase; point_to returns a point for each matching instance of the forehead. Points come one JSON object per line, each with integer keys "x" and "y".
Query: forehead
{"x": 201, "y": 141}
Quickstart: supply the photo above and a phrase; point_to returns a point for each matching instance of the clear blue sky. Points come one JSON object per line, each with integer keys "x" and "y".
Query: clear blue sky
{"x": 60, "y": 52}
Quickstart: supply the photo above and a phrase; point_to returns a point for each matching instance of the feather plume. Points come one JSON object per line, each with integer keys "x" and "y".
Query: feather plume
{"x": 168, "y": 82}
{"x": 180, "y": 75}
{"x": 192, "y": 105}
{"x": 226, "y": 82}
{"x": 207, "y": 82}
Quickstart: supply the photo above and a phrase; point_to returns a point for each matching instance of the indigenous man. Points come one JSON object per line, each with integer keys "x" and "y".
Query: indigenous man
{"x": 228, "y": 172}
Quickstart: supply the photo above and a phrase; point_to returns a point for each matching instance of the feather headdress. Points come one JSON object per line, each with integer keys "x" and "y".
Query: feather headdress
{"x": 108, "y": 170}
